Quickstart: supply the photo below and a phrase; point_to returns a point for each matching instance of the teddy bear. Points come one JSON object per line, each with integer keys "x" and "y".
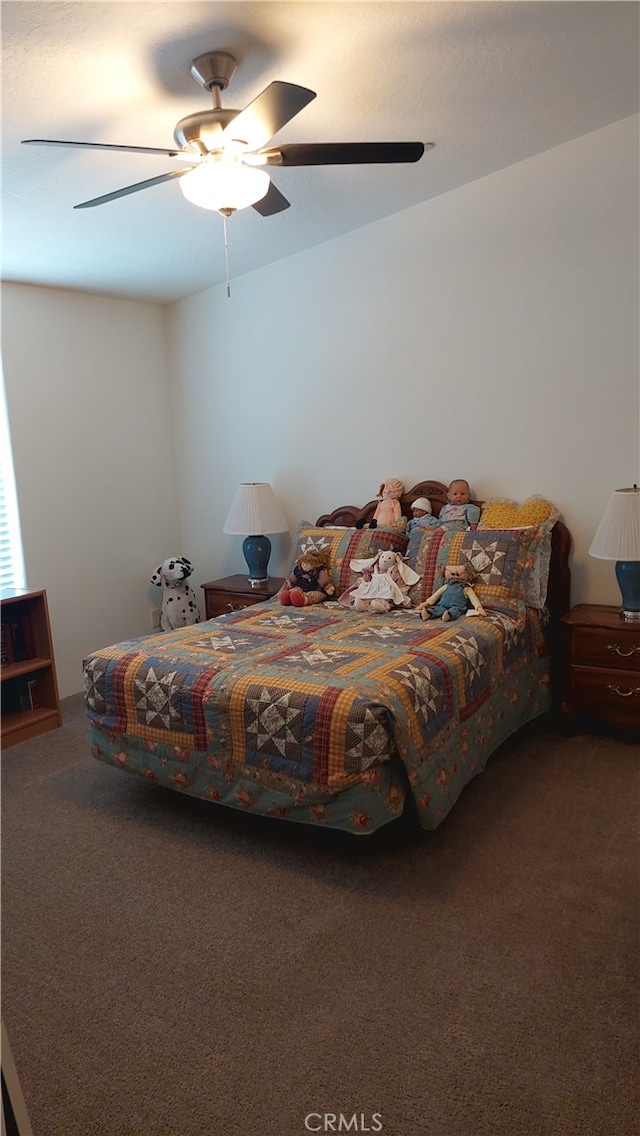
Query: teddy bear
{"x": 179, "y": 604}
{"x": 309, "y": 582}
{"x": 388, "y": 510}
{"x": 385, "y": 583}
{"x": 454, "y": 598}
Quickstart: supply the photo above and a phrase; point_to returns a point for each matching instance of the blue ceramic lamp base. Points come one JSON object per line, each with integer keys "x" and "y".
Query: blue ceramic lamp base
{"x": 628, "y": 577}
{"x": 257, "y": 550}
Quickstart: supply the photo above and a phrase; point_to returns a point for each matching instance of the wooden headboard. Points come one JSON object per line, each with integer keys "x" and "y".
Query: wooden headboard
{"x": 558, "y": 592}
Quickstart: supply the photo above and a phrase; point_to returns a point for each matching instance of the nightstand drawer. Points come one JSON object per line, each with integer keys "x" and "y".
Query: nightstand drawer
{"x": 223, "y": 604}
{"x": 611, "y": 694}
{"x": 598, "y": 647}
{"x": 234, "y": 592}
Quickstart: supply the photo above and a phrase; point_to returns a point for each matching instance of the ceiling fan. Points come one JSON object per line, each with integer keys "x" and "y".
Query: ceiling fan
{"x": 225, "y": 149}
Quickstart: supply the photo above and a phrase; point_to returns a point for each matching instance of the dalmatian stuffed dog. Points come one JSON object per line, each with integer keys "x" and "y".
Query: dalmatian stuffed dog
{"x": 179, "y": 606}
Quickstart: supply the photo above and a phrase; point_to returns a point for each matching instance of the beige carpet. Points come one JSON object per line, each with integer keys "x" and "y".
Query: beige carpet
{"x": 174, "y": 969}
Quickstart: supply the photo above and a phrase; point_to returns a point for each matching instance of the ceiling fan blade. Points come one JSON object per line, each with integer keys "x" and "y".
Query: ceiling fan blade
{"x": 272, "y": 202}
{"x": 267, "y": 114}
{"x": 109, "y": 146}
{"x": 133, "y": 188}
{"x": 343, "y": 153}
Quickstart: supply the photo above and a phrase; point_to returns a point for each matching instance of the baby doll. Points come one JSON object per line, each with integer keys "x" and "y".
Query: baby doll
{"x": 454, "y": 598}
{"x": 421, "y": 515}
{"x": 309, "y": 583}
{"x": 388, "y": 510}
{"x": 459, "y": 506}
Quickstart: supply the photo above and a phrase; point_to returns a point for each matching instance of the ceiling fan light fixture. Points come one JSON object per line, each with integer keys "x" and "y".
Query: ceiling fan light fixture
{"x": 224, "y": 182}
{"x": 226, "y": 146}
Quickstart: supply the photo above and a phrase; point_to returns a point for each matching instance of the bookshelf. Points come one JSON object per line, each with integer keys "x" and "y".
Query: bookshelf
{"x": 30, "y": 701}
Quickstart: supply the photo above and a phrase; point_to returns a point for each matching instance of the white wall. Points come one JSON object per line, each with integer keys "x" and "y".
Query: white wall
{"x": 491, "y": 333}
{"x": 87, "y": 395}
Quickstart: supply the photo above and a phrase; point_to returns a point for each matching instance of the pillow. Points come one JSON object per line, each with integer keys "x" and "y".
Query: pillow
{"x": 422, "y": 555}
{"x": 500, "y": 560}
{"x": 536, "y": 511}
{"x": 500, "y": 513}
{"x": 503, "y": 561}
{"x": 344, "y": 545}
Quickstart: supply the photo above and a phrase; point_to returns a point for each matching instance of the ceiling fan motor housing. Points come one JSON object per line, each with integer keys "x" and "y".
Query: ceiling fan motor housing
{"x": 213, "y": 70}
{"x": 202, "y": 131}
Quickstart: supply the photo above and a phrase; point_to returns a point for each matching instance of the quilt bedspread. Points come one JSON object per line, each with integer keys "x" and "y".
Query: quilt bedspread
{"x": 318, "y": 714}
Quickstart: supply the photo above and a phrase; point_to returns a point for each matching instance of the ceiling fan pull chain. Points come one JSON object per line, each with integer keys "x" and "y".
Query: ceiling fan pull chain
{"x": 225, "y": 214}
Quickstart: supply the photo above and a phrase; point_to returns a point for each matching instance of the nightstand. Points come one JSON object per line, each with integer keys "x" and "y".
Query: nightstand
{"x": 601, "y": 670}
{"x": 235, "y": 592}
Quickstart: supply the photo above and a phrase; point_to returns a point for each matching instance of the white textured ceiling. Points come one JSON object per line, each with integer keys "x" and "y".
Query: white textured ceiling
{"x": 490, "y": 83}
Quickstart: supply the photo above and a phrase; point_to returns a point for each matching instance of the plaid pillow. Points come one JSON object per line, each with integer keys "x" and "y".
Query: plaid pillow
{"x": 422, "y": 555}
{"x": 341, "y": 546}
{"x": 536, "y": 513}
{"x": 501, "y": 562}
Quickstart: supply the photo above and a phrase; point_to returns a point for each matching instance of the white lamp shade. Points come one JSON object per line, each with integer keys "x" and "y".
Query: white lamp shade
{"x": 618, "y": 534}
{"x": 223, "y": 182}
{"x": 255, "y": 511}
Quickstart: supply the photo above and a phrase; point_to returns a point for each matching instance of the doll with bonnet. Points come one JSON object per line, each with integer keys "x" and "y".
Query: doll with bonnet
{"x": 388, "y": 510}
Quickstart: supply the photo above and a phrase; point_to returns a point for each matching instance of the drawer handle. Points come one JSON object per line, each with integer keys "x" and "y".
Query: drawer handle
{"x": 615, "y": 650}
{"x": 235, "y": 606}
{"x": 623, "y": 693}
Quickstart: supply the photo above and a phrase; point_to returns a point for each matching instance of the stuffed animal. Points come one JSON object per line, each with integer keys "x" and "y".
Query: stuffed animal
{"x": 454, "y": 598}
{"x": 179, "y": 604}
{"x": 385, "y": 583}
{"x": 309, "y": 582}
{"x": 388, "y": 510}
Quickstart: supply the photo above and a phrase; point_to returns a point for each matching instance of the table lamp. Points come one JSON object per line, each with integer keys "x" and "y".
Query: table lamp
{"x": 254, "y": 512}
{"x": 618, "y": 538}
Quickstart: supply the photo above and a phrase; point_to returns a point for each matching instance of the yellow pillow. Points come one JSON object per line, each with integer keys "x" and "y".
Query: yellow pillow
{"x": 504, "y": 514}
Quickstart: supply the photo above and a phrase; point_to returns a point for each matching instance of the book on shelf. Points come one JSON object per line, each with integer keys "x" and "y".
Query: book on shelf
{"x": 27, "y": 633}
{"x": 16, "y": 636}
{"x": 15, "y": 697}
{"x": 20, "y": 695}
{"x": 7, "y": 648}
{"x": 17, "y": 639}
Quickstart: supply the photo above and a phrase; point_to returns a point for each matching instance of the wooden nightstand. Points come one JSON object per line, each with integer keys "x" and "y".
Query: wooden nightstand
{"x": 235, "y": 592}
{"x": 601, "y": 672}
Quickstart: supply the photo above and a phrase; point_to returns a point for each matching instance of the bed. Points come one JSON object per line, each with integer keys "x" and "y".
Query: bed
{"x": 337, "y": 718}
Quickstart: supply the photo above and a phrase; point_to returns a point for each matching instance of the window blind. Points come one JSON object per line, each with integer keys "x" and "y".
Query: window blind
{"x": 11, "y": 560}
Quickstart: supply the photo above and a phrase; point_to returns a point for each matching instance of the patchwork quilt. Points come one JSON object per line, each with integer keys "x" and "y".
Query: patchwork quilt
{"x": 318, "y": 714}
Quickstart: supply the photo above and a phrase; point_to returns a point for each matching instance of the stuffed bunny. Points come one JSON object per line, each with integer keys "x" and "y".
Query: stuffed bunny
{"x": 385, "y": 583}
